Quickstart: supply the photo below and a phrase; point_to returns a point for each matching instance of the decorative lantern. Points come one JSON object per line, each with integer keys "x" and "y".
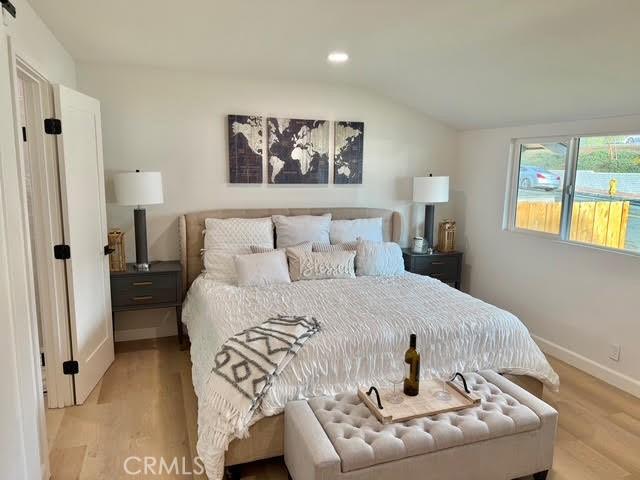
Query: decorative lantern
{"x": 447, "y": 236}
{"x": 117, "y": 259}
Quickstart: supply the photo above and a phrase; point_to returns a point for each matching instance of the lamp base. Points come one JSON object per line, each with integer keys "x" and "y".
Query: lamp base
{"x": 429, "y": 220}
{"x": 140, "y": 227}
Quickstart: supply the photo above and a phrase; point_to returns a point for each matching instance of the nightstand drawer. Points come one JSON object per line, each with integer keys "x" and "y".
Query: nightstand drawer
{"x": 143, "y": 290}
{"x": 443, "y": 268}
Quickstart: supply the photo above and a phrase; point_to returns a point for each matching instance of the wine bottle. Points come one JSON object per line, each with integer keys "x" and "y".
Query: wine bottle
{"x": 412, "y": 359}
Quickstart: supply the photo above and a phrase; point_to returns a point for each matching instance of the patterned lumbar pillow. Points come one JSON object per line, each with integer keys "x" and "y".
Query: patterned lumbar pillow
{"x": 338, "y": 247}
{"x": 224, "y": 238}
{"x": 379, "y": 259}
{"x": 321, "y": 265}
{"x": 261, "y": 269}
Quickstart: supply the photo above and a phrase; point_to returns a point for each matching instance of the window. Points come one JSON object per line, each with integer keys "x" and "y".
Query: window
{"x": 582, "y": 189}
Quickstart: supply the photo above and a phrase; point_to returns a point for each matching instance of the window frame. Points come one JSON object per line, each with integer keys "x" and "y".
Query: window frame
{"x": 514, "y": 184}
{"x": 568, "y": 189}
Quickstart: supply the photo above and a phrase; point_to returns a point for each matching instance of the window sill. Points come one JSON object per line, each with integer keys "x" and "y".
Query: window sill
{"x": 557, "y": 239}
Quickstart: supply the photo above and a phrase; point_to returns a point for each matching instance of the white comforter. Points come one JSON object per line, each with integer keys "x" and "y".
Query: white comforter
{"x": 365, "y": 326}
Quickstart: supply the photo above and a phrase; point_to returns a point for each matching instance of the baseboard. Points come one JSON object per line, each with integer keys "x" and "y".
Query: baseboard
{"x": 606, "y": 374}
{"x": 142, "y": 334}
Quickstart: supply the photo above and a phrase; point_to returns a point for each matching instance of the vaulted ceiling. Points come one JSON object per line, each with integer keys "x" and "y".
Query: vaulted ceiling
{"x": 468, "y": 63}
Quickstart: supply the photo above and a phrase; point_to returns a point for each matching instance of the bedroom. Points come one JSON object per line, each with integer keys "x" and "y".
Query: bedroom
{"x": 473, "y": 92}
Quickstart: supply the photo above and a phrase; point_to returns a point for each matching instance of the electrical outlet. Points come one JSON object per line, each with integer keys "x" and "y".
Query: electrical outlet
{"x": 614, "y": 352}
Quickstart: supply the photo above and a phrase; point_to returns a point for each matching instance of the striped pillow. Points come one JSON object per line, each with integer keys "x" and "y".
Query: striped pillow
{"x": 260, "y": 249}
{"x": 338, "y": 247}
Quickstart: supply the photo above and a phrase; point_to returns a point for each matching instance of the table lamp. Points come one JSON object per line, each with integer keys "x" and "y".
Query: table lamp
{"x": 139, "y": 188}
{"x": 430, "y": 190}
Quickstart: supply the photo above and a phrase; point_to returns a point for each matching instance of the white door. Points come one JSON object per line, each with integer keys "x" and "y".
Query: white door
{"x": 85, "y": 231}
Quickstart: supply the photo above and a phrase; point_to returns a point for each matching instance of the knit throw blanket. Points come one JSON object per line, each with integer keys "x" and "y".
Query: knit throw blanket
{"x": 244, "y": 369}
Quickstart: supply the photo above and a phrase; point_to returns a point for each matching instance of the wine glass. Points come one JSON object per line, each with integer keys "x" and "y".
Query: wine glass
{"x": 443, "y": 394}
{"x": 393, "y": 370}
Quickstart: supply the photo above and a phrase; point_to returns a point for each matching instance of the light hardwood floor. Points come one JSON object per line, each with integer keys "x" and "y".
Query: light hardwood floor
{"x": 145, "y": 406}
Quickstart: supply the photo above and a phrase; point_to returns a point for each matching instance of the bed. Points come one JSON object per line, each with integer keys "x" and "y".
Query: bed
{"x": 365, "y": 322}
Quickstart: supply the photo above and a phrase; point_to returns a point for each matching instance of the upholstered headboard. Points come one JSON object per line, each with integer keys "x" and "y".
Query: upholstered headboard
{"x": 191, "y": 227}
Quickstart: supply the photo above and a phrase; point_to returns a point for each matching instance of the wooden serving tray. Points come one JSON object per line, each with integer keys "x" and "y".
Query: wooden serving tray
{"x": 422, "y": 405}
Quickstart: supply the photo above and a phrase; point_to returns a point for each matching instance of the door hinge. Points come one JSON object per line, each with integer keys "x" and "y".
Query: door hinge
{"x": 70, "y": 367}
{"x": 52, "y": 126}
{"x": 8, "y": 6}
{"x": 24, "y": 134}
{"x": 42, "y": 362}
{"x": 62, "y": 252}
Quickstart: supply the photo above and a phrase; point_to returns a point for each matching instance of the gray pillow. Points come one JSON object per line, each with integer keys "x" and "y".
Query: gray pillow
{"x": 301, "y": 228}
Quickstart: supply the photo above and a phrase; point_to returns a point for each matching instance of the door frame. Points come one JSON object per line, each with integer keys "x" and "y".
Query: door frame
{"x": 48, "y": 231}
{"x": 18, "y": 299}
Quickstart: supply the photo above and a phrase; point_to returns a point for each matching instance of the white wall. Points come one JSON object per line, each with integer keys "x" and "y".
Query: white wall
{"x": 175, "y": 122}
{"x": 34, "y": 42}
{"x": 576, "y": 299}
{"x": 21, "y": 404}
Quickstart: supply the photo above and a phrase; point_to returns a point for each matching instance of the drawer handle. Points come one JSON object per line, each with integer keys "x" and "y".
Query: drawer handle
{"x": 142, "y": 284}
{"x": 435, "y": 275}
{"x": 140, "y": 299}
{"x": 437, "y": 263}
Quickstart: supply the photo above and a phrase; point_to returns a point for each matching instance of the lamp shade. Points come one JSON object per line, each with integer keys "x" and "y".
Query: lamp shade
{"x": 431, "y": 189}
{"x": 138, "y": 188}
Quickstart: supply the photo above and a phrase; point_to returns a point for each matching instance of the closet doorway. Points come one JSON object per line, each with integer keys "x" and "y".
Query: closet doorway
{"x": 42, "y": 198}
{"x": 65, "y": 209}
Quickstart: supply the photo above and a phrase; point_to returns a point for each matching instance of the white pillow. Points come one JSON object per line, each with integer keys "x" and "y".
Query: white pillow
{"x": 261, "y": 269}
{"x": 379, "y": 259}
{"x": 321, "y": 265}
{"x": 343, "y": 231}
{"x": 301, "y": 228}
{"x": 227, "y": 237}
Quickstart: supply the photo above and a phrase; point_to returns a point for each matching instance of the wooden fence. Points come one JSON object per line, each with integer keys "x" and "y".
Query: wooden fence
{"x": 598, "y": 223}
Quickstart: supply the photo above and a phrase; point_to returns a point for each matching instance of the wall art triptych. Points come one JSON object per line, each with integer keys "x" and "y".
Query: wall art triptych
{"x": 297, "y": 150}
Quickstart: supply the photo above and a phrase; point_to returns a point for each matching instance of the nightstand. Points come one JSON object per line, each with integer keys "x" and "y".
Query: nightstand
{"x": 159, "y": 287}
{"x": 446, "y": 267}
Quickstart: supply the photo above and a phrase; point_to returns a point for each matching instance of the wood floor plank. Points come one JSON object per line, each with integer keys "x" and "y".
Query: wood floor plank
{"x": 66, "y": 463}
{"x": 145, "y": 406}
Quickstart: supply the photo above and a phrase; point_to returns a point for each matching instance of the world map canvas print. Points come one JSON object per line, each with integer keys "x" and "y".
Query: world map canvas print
{"x": 298, "y": 151}
{"x": 349, "y": 147}
{"x": 245, "y": 148}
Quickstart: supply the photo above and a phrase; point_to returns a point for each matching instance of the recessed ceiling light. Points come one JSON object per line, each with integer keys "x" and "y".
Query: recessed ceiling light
{"x": 338, "y": 57}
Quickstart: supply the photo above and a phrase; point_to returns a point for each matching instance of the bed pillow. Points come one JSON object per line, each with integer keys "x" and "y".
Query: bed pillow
{"x": 338, "y": 247}
{"x": 261, "y": 269}
{"x": 321, "y": 265}
{"x": 224, "y": 238}
{"x": 301, "y": 228}
{"x": 292, "y": 254}
{"x": 342, "y": 231}
{"x": 303, "y": 247}
{"x": 379, "y": 259}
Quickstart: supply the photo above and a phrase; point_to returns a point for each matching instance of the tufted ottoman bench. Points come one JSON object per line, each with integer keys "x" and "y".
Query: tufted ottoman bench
{"x": 509, "y": 435}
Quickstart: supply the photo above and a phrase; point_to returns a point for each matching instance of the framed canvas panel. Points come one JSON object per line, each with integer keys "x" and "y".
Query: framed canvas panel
{"x": 349, "y": 149}
{"x": 298, "y": 151}
{"x": 246, "y": 138}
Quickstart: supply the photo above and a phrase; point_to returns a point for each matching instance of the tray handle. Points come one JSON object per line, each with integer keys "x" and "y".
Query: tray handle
{"x": 464, "y": 382}
{"x": 374, "y": 389}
